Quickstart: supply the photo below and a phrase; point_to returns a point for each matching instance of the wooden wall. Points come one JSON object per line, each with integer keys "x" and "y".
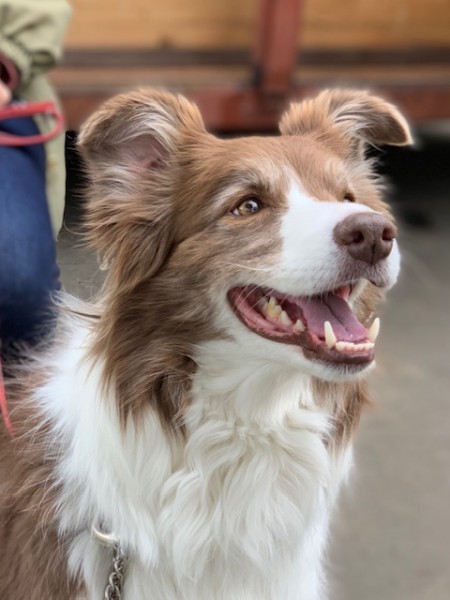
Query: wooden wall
{"x": 229, "y": 24}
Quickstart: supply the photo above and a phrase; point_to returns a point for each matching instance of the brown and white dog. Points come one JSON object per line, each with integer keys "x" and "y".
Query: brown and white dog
{"x": 203, "y": 409}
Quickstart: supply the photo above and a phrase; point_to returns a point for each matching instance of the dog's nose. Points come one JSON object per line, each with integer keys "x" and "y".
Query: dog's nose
{"x": 366, "y": 236}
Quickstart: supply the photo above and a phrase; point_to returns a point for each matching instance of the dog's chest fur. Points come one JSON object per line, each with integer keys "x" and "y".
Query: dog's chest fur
{"x": 236, "y": 508}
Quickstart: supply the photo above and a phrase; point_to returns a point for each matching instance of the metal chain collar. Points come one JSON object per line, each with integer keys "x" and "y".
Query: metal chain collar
{"x": 113, "y": 590}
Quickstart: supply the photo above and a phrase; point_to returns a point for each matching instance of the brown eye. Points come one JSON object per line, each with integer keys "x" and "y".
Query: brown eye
{"x": 349, "y": 197}
{"x": 249, "y": 206}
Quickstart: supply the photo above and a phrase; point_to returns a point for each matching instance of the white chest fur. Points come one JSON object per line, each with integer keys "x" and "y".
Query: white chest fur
{"x": 237, "y": 510}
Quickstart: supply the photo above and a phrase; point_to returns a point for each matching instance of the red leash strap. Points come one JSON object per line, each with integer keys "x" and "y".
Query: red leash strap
{"x": 31, "y": 109}
{"x": 4, "y": 403}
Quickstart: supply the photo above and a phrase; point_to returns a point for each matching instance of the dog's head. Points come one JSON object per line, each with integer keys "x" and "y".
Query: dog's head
{"x": 280, "y": 243}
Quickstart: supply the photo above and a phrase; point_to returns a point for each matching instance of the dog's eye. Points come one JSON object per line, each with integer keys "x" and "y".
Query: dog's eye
{"x": 249, "y": 206}
{"x": 349, "y": 197}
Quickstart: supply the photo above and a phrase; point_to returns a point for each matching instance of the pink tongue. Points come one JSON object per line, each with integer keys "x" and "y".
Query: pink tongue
{"x": 335, "y": 309}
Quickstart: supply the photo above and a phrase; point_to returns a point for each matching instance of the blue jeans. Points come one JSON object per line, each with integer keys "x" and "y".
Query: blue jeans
{"x": 28, "y": 269}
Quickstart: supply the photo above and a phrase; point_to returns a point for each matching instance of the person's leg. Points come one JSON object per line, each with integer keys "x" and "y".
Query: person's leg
{"x": 28, "y": 269}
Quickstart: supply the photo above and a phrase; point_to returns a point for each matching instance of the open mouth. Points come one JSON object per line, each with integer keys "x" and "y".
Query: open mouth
{"x": 324, "y": 325}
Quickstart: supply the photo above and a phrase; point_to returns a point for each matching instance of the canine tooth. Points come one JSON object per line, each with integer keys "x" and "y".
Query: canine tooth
{"x": 299, "y": 325}
{"x": 330, "y": 336}
{"x": 374, "y": 330}
{"x": 284, "y": 318}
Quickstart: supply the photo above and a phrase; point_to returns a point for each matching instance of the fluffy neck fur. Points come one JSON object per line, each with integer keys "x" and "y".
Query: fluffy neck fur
{"x": 235, "y": 506}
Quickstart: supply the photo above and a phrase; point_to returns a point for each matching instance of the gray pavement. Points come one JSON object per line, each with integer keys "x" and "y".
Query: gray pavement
{"x": 391, "y": 535}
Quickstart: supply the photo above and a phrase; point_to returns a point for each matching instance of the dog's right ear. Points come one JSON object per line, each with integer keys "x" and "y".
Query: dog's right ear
{"x": 129, "y": 147}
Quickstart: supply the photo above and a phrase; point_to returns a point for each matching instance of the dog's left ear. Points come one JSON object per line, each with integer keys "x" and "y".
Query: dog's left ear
{"x": 357, "y": 117}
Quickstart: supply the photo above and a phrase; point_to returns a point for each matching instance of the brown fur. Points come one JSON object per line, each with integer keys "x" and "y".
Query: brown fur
{"x": 160, "y": 194}
{"x": 34, "y": 562}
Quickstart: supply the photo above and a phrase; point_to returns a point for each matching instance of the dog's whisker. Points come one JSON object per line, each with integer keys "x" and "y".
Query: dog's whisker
{"x": 245, "y": 267}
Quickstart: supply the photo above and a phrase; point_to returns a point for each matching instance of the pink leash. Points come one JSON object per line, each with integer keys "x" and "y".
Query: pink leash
{"x": 31, "y": 109}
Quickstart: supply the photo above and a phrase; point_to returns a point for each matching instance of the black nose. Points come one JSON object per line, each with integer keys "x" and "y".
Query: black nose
{"x": 366, "y": 236}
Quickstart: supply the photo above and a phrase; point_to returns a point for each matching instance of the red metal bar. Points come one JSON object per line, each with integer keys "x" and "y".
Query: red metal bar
{"x": 244, "y": 110}
{"x": 229, "y": 110}
{"x": 275, "y": 46}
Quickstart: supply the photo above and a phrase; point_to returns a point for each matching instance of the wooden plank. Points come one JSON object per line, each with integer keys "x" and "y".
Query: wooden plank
{"x": 172, "y": 23}
{"x": 202, "y": 24}
{"x": 377, "y": 23}
{"x": 219, "y": 57}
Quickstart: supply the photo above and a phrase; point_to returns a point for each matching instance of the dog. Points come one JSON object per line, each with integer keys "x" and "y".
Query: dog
{"x": 184, "y": 437}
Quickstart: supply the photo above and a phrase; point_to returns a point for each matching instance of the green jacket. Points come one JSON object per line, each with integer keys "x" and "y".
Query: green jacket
{"x": 31, "y": 36}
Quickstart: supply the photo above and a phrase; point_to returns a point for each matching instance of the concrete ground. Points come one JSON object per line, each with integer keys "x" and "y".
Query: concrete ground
{"x": 391, "y": 536}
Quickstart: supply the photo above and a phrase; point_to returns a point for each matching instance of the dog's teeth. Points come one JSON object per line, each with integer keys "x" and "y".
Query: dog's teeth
{"x": 364, "y": 347}
{"x": 299, "y": 325}
{"x": 351, "y": 347}
{"x": 264, "y": 306}
{"x": 342, "y": 346}
{"x": 284, "y": 318}
{"x": 374, "y": 330}
{"x": 274, "y": 310}
{"x": 368, "y": 346}
{"x": 330, "y": 336}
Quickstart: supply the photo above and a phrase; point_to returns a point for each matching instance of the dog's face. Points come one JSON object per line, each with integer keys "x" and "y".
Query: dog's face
{"x": 278, "y": 243}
